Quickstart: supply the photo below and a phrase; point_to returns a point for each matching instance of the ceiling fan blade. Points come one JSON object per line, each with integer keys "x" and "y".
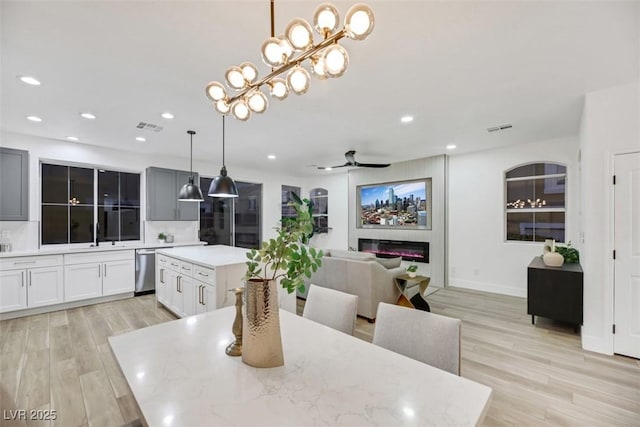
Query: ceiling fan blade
{"x": 333, "y": 167}
{"x": 372, "y": 165}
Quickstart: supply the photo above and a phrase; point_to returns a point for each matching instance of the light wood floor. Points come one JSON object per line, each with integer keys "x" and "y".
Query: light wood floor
{"x": 539, "y": 374}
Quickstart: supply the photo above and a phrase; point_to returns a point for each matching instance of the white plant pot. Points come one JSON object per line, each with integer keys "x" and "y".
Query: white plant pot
{"x": 553, "y": 259}
{"x": 412, "y": 274}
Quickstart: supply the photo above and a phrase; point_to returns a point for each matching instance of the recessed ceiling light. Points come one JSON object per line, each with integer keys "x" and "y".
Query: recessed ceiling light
{"x": 167, "y": 115}
{"x": 29, "y": 80}
{"x": 34, "y": 118}
{"x": 451, "y": 146}
{"x": 271, "y": 157}
{"x": 88, "y": 116}
{"x": 328, "y": 168}
{"x": 73, "y": 138}
{"x": 406, "y": 119}
{"x": 140, "y": 139}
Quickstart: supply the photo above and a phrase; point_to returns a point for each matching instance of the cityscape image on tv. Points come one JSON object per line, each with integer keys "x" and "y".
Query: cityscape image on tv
{"x": 395, "y": 204}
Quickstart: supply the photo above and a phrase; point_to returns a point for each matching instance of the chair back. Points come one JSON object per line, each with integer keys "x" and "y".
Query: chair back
{"x": 420, "y": 335}
{"x": 331, "y": 308}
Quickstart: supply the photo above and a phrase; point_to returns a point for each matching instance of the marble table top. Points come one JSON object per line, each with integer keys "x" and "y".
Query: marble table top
{"x": 209, "y": 256}
{"x": 180, "y": 376}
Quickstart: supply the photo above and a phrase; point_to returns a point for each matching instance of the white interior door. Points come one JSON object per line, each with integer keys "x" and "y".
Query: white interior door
{"x": 627, "y": 246}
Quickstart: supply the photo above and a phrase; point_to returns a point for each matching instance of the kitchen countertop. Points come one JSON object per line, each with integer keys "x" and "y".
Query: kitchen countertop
{"x": 103, "y": 248}
{"x": 180, "y": 375}
{"x": 208, "y": 256}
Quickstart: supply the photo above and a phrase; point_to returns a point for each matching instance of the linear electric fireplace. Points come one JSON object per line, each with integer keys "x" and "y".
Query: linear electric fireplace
{"x": 410, "y": 251}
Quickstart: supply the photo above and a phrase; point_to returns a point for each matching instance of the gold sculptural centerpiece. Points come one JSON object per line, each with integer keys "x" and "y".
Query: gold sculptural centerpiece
{"x": 288, "y": 259}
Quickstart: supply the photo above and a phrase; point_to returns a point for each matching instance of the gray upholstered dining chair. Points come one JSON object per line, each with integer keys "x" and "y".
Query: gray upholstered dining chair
{"x": 427, "y": 337}
{"x": 331, "y": 308}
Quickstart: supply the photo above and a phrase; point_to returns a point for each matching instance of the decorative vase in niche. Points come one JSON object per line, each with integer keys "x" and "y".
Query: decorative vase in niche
{"x": 553, "y": 259}
{"x": 261, "y": 340}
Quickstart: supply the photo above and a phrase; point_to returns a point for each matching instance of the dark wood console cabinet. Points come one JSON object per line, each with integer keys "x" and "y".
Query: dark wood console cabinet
{"x": 555, "y": 292}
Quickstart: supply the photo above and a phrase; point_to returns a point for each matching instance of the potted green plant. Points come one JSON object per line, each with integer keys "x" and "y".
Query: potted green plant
{"x": 289, "y": 259}
{"x": 412, "y": 270}
{"x": 162, "y": 237}
{"x": 570, "y": 254}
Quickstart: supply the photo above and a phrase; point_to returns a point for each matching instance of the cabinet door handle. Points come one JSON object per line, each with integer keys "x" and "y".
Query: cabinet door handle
{"x": 99, "y": 270}
{"x": 162, "y": 275}
{"x": 29, "y": 278}
{"x": 105, "y": 270}
{"x": 203, "y": 302}
{"x": 22, "y": 279}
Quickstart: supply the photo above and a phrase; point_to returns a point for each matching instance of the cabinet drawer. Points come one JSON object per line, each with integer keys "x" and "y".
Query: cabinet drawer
{"x": 163, "y": 260}
{"x": 173, "y": 264}
{"x": 204, "y": 274}
{"x": 186, "y": 268}
{"x": 30, "y": 262}
{"x": 87, "y": 257}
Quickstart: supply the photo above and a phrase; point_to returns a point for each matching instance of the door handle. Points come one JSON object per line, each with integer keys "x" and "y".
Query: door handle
{"x": 22, "y": 279}
{"x": 105, "y": 270}
{"x": 162, "y": 275}
{"x": 99, "y": 270}
{"x": 203, "y": 302}
{"x": 30, "y": 278}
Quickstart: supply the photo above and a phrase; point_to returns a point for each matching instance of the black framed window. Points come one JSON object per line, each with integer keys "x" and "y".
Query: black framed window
{"x": 88, "y": 205}
{"x": 288, "y": 211}
{"x": 536, "y": 202}
{"x": 232, "y": 221}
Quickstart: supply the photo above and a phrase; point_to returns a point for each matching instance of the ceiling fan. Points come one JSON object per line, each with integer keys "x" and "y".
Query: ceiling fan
{"x": 351, "y": 162}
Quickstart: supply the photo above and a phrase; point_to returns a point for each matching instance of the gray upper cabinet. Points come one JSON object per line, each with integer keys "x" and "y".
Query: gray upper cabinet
{"x": 14, "y": 185}
{"x": 163, "y": 186}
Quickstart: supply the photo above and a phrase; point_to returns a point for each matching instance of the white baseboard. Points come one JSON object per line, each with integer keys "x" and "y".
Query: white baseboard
{"x": 597, "y": 344}
{"x": 488, "y": 287}
{"x": 63, "y": 306}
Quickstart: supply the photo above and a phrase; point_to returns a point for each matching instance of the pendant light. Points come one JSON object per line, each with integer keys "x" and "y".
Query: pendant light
{"x": 222, "y": 185}
{"x": 190, "y": 192}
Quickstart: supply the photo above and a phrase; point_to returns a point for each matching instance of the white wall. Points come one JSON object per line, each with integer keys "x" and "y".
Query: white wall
{"x": 479, "y": 256}
{"x": 24, "y": 235}
{"x": 431, "y": 167}
{"x": 610, "y": 125}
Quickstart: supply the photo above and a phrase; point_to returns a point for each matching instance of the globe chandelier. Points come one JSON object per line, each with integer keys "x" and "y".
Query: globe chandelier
{"x": 286, "y": 54}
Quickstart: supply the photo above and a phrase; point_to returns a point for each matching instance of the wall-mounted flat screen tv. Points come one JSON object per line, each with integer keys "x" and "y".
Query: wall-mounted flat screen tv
{"x": 402, "y": 205}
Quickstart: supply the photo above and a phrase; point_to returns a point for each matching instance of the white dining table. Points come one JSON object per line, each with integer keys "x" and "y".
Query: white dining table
{"x": 180, "y": 375}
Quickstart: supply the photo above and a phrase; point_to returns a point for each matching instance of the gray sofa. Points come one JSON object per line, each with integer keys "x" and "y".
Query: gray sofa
{"x": 361, "y": 274}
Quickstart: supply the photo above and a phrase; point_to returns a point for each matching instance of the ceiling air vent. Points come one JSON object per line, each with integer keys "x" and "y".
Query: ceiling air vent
{"x": 501, "y": 127}
{"x": 149, "y": 126}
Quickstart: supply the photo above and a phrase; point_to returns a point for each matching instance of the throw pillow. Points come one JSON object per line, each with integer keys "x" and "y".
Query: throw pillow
{"x": 390, "y": 262}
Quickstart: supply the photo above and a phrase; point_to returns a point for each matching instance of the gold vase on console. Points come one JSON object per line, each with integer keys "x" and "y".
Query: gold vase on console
{"x": 261, "y": 340}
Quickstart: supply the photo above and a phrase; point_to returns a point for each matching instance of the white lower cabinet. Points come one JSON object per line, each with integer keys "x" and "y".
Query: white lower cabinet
{"x": 206, "y": 297}
{"x": 13, "y": 291}
{"x": 117, "y": 276}
{"x": 185, "y": 289}
{"x": 39, "y": 285}
{"x": 92, "y": 275}
{"x": 82, "y": 281}
{"x": 44, "y": 286}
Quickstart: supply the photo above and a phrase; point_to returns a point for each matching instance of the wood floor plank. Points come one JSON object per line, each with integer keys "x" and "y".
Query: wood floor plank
{"x": 66, "y": 395}
{"x": 60, "y": 343}
{"x": 33, "y": 391}
{"x": 129, "y": 408}
{"x": 99, "y": 401}
{"x": 112, "y": 369}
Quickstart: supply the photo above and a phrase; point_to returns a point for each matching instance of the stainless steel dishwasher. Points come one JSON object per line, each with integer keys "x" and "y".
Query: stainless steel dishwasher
{"x": 145, "y": 271}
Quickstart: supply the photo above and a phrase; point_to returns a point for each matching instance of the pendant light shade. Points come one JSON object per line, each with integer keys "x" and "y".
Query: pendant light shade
{"x": 190, "y": 192}
{"x": 222, "y": 185}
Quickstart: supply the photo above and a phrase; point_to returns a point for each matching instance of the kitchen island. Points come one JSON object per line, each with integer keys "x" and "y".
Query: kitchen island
{"x": 194, "y": 280}
{"x": 180, "y": 375}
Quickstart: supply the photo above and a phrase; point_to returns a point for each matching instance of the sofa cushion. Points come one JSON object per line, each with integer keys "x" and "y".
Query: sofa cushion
{"x": 358, "y": 256}
{"x": 390, "y": 262}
